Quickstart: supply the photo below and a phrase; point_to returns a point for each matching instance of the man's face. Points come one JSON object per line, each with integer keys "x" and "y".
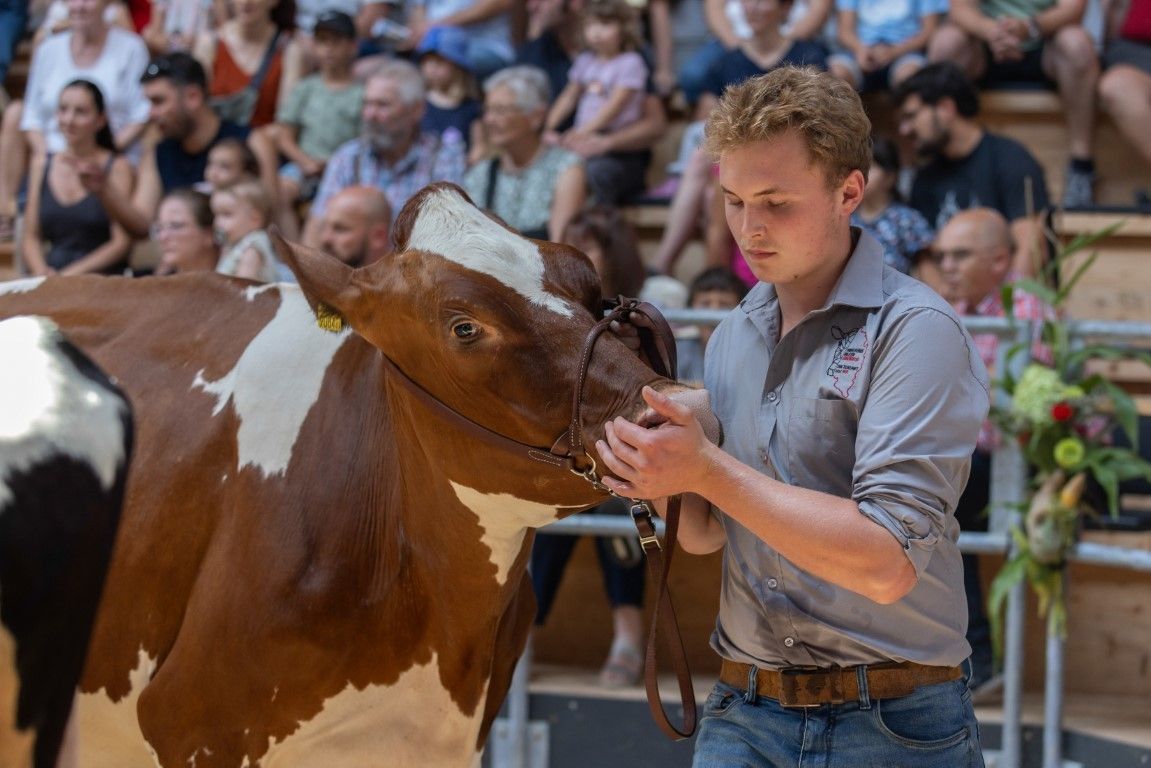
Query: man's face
{"x": 970, "y": 267}
{"x": 922, "y": 124}
{"x": 387, "y": 122}
{"x": 168, "y": 108}
{"x": 345, "y": 231}
{"x": 785, "y": 217}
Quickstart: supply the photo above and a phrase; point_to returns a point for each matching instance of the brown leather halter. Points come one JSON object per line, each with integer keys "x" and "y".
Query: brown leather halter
{"x": 657, "y": 345}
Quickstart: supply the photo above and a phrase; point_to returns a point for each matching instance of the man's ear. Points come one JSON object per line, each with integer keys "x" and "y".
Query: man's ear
{"x": 851, "y": 190}
{"x": 325, "y": 280}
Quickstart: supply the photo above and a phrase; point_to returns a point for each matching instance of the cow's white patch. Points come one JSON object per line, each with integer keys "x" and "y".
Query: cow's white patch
{"x": 449, "y": 226}
{"x": 20, "y": 286}
{"x": 275, "y": 382}
{"x": 15, "y": 745}
{"x": 505, "y": 519}
{"x": 106, "y": 732}
{"x": 50, "y": 408}
{"x": 413, "y": 722}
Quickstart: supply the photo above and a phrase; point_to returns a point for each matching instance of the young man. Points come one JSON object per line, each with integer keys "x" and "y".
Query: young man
{"x": 967, "y": 166}
{"x": 850, "y": 398}
{"x": 177, "y": 92}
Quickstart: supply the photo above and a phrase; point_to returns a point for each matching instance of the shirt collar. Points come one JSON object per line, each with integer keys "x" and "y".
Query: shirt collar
{"x": 860, "y": 285}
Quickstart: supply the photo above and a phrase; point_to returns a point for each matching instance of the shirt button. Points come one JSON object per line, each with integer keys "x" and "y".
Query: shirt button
{"x": 772, "y": 583}
{"x": 772, "y": 397}
{"x": 789, "y": 641}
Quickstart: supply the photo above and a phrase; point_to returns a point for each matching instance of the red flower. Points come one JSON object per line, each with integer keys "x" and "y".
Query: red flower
{"x": 1062, "y": 411}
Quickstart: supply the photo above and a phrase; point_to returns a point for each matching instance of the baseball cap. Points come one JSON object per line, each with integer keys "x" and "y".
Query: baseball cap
{"x": 335, "y": 22}
{"x": 448, "y": 42}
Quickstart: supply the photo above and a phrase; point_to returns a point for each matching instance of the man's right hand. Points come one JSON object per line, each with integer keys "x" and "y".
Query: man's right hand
{"x": 93, "y": 176}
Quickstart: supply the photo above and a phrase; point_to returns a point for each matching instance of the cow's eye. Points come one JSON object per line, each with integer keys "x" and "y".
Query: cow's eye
{"x": 466, "y": 330}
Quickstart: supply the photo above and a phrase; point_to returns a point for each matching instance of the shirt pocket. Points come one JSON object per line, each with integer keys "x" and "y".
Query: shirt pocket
{"x": 821, "y": 444}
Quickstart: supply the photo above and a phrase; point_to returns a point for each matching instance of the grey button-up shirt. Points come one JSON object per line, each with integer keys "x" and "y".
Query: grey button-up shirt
{"x": 878, "y": 397}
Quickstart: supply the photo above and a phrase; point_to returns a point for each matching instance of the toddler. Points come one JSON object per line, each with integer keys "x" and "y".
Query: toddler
{"x": 241, "y": 212}
{"x": 452, "y": 102}
{"x": 230, "y": 161}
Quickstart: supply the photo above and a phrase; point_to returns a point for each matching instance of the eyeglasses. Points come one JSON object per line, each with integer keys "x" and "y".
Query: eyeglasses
{"x": 174, "y": 227}
{"x": 503, "y": 110}
{"x": 958, "y": 255}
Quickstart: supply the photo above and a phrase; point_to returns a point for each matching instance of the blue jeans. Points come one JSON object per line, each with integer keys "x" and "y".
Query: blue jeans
{"x": 935, "y": 726}
{"x": 13, "y": 20}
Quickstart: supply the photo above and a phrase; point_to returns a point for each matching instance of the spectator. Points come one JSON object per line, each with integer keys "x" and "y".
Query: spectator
{"x": 714, "y": 288}
{"x": 883, "y": 43}
{"x": 242, "y": 213}
{"x": 319, "y": 115}
{"x": 357, "y": 226}
{"x": 1032, "y": 40}
{"x": 765, "y": 49}
{"x": 81, "y": 236}
{"x": 176, "y": 25}
{"x": 485, "y": 22}
{"x": 57, "y": 19}
{"x": 902, "y": 231}
{"x": 605, "y": 91}
{"x": 253, "y": 61}
{"x": 973, "y": 255}
{"x": 176, "y": 89}
{"x": 229, "y": 161}
{"x": 110, "y": 57}
{"x": 967, "y": 166}
{"x": 533, "y": 187}
{"x": 184, "y": 233}
{"x": 607, "y": 240}
{"x": 1125, "y": 88}
{"x": 391, "y": 152}
{"x": 452, "y": 102}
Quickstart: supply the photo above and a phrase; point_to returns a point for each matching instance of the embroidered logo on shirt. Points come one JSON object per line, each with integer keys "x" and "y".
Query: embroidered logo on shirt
{"x": 847, "y": 359}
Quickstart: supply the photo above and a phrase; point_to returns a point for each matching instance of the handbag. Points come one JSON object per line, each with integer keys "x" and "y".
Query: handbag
{"x": 239, "y": 107}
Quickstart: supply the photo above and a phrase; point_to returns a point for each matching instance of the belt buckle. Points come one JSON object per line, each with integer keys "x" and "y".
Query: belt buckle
{"x": 807, "y": 687}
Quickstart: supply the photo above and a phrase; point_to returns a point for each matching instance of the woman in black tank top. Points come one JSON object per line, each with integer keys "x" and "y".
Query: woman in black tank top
{"x": 79, "y": 235}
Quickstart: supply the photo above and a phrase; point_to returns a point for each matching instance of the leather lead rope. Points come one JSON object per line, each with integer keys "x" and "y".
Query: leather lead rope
{"x": 658, "y": 345}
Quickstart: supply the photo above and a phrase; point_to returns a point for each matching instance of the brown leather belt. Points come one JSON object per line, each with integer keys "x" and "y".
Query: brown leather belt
{"x": 812, "y": 686}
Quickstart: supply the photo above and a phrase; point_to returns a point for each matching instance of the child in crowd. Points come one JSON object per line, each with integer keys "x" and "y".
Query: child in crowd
{"x": 321, "y": 113}
{"x": 714, "y": 288}
{"x": 605, "y": 89}
{"x": 883, "y": 41}
{"x": 452, "y": 102}
{"x": 902, "y": 231}
{"x": 242, "y": 212}
{"x": 229, "y": 161}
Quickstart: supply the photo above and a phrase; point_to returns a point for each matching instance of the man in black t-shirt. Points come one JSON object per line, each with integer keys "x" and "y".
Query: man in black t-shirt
{"x": 177, "y": 90}
{"x": 968, "y": 167}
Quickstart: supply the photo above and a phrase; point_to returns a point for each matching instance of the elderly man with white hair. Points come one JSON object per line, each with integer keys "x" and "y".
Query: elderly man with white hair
{"x": 391, "y": 153}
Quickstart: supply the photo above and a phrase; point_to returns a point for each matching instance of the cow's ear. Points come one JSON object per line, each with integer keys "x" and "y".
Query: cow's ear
{"x": 325, "y": 280}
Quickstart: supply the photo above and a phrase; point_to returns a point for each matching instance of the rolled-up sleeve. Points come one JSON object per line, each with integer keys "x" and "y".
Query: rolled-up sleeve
{"x": 927, "y": 398}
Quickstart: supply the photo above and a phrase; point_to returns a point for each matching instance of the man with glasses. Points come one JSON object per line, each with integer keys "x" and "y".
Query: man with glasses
{"x": 968, "y": 166}
{"x": 177, "y": 92}
{"x": 973, "y": 254}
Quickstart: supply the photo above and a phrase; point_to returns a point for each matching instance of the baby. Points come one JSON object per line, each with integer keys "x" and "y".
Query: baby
{"x": 241, "y": 212}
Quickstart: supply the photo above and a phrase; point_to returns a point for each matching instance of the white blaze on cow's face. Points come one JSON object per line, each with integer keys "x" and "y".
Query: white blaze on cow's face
{"x": 451, "y": 227}
{"x": 275, "y": 382}
{"x": 51, "y": 408}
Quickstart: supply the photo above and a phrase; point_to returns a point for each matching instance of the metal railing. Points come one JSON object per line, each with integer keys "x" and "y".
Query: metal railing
{"x": 518, "y": 745}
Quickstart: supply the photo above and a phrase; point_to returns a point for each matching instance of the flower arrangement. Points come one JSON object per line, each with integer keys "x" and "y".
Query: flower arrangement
{"x": 1063, "y": 417}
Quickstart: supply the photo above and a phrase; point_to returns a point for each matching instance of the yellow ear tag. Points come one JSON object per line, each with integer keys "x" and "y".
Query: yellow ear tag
{"x": 328, "y": 318}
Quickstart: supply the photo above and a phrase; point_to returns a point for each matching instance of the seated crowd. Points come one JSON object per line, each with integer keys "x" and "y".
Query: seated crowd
{"x": 198, "y": 125}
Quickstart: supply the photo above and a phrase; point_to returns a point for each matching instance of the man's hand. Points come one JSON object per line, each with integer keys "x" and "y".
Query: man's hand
{"x": 650, "y": 463}
{"x": 93, "y": 176}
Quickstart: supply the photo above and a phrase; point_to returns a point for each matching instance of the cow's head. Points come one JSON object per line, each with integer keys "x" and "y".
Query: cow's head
{"x": 487, "y": 321}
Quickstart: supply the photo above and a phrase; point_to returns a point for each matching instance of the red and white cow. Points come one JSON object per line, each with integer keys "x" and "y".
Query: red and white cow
{"x": 65, "y": 442}
{"x": 316, "y": 568}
